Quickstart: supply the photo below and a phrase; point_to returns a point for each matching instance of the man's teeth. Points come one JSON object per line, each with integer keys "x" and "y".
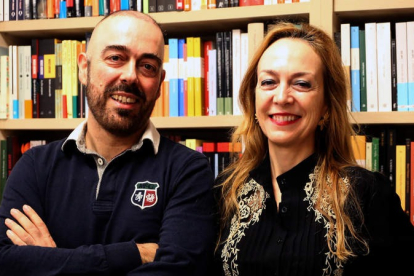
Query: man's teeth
{"x": 123, "y": 99}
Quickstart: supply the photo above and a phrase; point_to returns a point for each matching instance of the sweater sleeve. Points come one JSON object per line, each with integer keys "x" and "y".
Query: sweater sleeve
{"x": 187, "y": 234}
{"x": 23, "y": 188}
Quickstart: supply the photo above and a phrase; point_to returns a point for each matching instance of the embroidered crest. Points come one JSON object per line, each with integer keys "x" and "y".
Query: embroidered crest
{"x": 145, "y": 194}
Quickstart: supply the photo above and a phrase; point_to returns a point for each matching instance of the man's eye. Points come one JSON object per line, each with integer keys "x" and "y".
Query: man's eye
{"x": 114, "y": 58}
{"x": 150, "y": 67}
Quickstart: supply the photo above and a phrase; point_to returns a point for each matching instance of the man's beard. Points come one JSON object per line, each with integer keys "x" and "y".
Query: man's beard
{"x": 126, "y": 122}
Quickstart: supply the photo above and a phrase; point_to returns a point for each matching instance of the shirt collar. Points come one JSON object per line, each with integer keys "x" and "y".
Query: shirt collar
{"x": 78, "y": 136}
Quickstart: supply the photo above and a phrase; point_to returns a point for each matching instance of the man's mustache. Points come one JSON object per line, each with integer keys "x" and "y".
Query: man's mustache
{"x": 133, "y": 89}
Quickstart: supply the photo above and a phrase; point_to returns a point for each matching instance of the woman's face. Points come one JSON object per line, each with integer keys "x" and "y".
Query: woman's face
{"x": 290, "y": 94}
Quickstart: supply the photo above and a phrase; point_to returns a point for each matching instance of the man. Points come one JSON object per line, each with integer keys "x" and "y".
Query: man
{"x": 114, "y": 198}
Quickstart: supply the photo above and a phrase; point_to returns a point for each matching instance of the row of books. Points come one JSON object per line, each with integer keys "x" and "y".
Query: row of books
{"x": 395, "y": 160}
{"x": 41, "y": 80}
{"x": 11, "y": 10}
{"x": 203, "y": 76}
{"x": 379, "y": 59}
{"x": 10, "y": 152}
{"x": 219, "y": 154}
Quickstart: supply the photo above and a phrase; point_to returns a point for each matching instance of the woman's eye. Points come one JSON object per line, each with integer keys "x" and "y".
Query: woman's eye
{"x": 266, "y": 82}
{"x": 303, "y": 84}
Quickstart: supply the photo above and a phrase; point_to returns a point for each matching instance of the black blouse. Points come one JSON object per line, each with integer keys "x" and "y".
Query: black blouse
{"x": 292, "y": 240}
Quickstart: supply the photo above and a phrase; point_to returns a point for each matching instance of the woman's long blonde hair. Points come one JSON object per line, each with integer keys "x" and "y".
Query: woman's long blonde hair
{"x": 333, "y": 146}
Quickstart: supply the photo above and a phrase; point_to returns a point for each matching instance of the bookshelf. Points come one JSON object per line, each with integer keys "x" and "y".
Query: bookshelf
{"x": 327, "y": 14}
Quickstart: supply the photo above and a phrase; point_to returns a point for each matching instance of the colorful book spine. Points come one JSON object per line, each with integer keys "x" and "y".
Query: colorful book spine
{"x": 190, "y": 77}
{"x": 400, "y": 173}
{"x": 173, "y": 60}
{"x": 236, "y": 69}
{"x": 207, "y": 46}
{"x": 212, "y": 82}
{"x": 220, "y": 72}
{"x": 198, "y": 77}
{"x": 166, "y": 83}
{"x": 355, "y": 70}
{"x": 346, "y": 57}
{"x": 228, "y": 76}
{"x": 4, "y": 88}
{"x": 410, "y": 64}
{"x": 181, "y": 77}
{"x": 375, "y": 154}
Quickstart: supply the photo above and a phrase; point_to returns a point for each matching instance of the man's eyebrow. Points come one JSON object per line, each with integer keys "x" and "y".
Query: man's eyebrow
{"x": 125, "y": 49}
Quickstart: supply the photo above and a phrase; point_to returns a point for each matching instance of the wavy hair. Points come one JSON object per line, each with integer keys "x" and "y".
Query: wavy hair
{"x": 332, "y": 147}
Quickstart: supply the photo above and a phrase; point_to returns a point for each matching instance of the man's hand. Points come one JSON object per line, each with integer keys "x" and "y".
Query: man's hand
{"x": 29, "y": 229}
{"x": 147, "y": 251}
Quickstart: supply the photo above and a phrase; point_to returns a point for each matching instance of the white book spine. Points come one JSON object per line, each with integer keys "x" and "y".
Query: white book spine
{"x": 4, "y": 88}
{"x": 236, "y": 52}
{"x": 371, "y": 66}
{"x": 410, "y": 64}
{"x": 401, "y": 60}
{"x": 346, "y": 56}
{"x": 384, "y": 66}
{"x": 212, "y": 82}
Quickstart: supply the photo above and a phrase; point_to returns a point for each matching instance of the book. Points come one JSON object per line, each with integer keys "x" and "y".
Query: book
{"x": 35, "y": 77}
{"x": 25, "y": 82}
{"x": 407, "y": 174}
{"x": 58, "y": 82}
{"x": 4, "y": 86}
{"x": 190, "y": 77}
{"x": 371, "y": 66}
{"x": 368, "y": 154}
{"x": 410, "y": 64}
{"x": 75, "y": 51}
{"x": 255, "y": 31}
{"x": 173, "y": 79}
{"x": 181, "y": 77}
{"x": 13, "y": 152}
{"x": 193, "y": 143}
{"x": 212, "y": 82}
{"x": 359, "y": 149}
{"x": 166, "y": 83}
{"x": 401, "y": 62}
{"x": 346, "y": 58}
{"x": 355, "y": 70}
{"x": 362, "y": 70}
{"x": 375, "y": 153}
{"x": 400, "y": 178}
{"x": 220, "y": 73}
{"x": 209, "y": 150}
{"x": 412, "y": 182}
{"x": 3, "y": 166}
{"x": 198, "y": 77}
{"x": 207, "y": 46}
{"x": 228, "y": 77}
{"x": 391, "y": 143}
{"x": 47, "y": 77}
{"x": 236, "y": 69}
{"x": 384, "y": 65}
{"x": 394, "y": 104}
{"x": 13, "y": 82}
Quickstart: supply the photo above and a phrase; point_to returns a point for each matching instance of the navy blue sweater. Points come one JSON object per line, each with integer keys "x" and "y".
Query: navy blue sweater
{"x": 164, "y": 198}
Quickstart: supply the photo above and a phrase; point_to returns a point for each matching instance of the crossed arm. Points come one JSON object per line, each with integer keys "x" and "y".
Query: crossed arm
{"x": 29, "y": 229}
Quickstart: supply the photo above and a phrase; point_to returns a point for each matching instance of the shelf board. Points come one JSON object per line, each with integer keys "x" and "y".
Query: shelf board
{"x": 193, "y": 22}
{"x": 355, "y": 10}
{"x": 203, "y": 122}
{"x": 215, "y": 122}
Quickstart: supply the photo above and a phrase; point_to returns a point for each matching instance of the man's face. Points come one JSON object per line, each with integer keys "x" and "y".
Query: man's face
{"x": 123, "y": 73}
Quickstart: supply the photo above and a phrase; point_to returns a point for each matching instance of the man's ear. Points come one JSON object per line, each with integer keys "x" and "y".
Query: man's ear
{"x": 83, "y": 68}
{"x": 162, "y": 77}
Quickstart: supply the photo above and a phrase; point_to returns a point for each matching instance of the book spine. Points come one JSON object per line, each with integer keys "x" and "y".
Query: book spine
{"x": 207, "y": 46}
{"x": 181, "y": 76}
{"x": 173, "y": 60}
{"x": 375, "y": 154}
{"x": 371, "y": 62}
{"x": 410, "y": 64}
{"x": 394, "y": 89}
{"x": 355, "y": 70}
{"x": 220, "y": 72}
{"x": 407, "y": 165}
{"x": 346, "y": 58}
{"x": 198, "y": 77}
{"x": 384, "y": 66}
{"x": 212, "y": 82}
{"x": 190, "y": 77}
{"x": 362, "y": 70}
{"x": 3, "y": 166}
{"x": 228, "y": 77}
{"x": 400, "y": 173}
{"x": 401, "y": 63}
{"x": 4, "y": 88}
{"x": 236, "y": 72}
{"x": 166, "y": 83}
{"x": 412, "y": 183}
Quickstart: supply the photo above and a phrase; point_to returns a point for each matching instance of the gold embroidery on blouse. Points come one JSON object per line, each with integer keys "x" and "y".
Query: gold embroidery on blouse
{"x": 312, "y": 196}
{"x": 251, "y": 198}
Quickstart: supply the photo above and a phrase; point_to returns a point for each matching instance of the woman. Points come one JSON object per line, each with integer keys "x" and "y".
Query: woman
{"x": 296, "y": 203}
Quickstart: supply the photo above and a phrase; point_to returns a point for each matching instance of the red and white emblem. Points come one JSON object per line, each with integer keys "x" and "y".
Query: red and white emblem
{"x": 145, "y": 194}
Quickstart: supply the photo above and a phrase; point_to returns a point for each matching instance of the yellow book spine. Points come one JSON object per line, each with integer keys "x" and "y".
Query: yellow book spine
{"x": 198, "y": 77}
{"x": 359, "y": 149}
{"x": 400, "y": 169}
{"x": 190, "y": 77}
